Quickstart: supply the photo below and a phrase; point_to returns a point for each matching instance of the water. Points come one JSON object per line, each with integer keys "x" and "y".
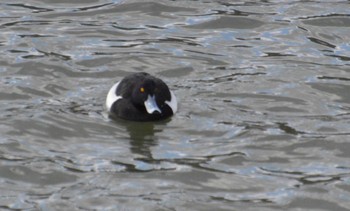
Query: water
{"x": 263, "y": 121}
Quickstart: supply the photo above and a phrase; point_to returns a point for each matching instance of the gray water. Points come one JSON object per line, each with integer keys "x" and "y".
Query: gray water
{"x": 264, "y": 105}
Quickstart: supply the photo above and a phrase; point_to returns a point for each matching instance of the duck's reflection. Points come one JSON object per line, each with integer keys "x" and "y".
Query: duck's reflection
{"x": 143, "y": 136}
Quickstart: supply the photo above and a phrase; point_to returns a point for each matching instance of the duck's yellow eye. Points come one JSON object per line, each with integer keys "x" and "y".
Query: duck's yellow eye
{"x": 142, "y": 89}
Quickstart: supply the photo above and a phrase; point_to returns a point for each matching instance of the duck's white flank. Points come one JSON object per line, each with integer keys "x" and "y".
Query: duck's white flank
{"x": 112, "y": 96}
{"x": 173, "y": 102}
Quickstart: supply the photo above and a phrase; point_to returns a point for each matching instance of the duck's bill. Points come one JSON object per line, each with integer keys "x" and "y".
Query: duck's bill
{"x": 151, "y": 105}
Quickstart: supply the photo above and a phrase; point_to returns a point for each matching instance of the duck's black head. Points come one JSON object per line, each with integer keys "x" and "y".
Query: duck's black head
{"x": 141, "y": 97}
{"x": 146, "y": 95}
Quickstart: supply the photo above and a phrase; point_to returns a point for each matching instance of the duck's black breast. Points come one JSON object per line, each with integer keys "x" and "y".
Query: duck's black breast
{"x": 125, "y": 109}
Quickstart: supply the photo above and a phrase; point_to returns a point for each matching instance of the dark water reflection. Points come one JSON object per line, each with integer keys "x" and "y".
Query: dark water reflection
{"x": 263, "y": 122}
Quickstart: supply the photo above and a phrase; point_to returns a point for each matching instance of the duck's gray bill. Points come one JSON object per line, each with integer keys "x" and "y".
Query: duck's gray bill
{"x": 151, "y": 105}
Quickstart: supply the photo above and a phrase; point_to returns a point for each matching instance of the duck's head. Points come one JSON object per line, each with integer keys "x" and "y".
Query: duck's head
{"x": 147, "y": 95}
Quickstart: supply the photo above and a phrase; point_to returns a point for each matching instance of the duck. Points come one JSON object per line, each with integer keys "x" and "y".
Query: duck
{"x": 141, "y": 97}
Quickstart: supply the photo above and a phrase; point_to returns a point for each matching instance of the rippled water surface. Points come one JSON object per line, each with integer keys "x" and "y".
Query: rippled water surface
{"x": 263, "y": 121}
